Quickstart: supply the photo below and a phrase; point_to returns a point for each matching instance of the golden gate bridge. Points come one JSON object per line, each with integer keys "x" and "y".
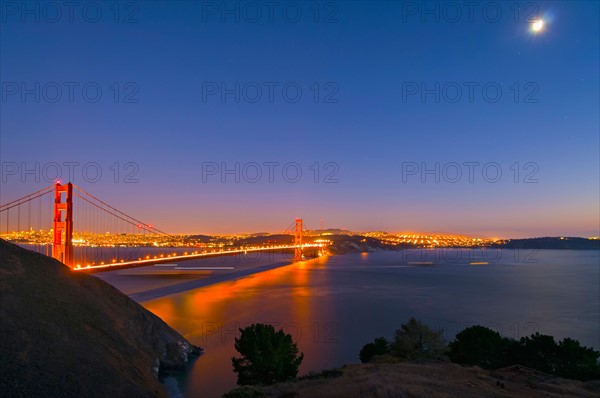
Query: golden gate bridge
{"x": 88, "y": 234}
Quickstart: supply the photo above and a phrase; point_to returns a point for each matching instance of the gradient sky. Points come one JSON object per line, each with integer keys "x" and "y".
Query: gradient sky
{"x": 371, "y": 52}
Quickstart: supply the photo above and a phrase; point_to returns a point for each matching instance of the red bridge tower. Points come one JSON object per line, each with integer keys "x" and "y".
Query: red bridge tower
{"x": 298, "y": 240}
{"x": 62, "y": 247}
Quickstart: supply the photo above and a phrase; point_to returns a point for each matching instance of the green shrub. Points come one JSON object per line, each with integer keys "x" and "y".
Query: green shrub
{"x": 415, "y": 340}
{"x": 380, "y": 346}
{"x": 577, "y": 362}
{"x": 539, "y": 352}
{"x": 566, "y": 359}
{"x": 478, "y": 345}
{"x": 267, "y": 356}
{"x": 484, "y": 347}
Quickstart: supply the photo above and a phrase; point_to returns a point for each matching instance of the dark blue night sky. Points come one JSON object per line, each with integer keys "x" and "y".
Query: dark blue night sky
{"x": 399, "y": 119}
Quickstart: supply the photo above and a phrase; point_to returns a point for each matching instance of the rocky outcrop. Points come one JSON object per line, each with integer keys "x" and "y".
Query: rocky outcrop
{"x": 68, "y": 334}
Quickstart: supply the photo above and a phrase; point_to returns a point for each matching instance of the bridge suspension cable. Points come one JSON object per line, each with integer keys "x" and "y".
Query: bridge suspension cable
{"x": 117, "y": 213}
{"x": 100, "y": 233}
{"x": 26, "y": 198}
{"x": 140, "y": 226}
{"x": 94, "y": 234}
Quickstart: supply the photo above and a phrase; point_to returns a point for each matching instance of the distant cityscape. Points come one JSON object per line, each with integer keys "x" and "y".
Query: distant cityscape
{"x": 108, "y": 239}
{"x": 44, "y": 237}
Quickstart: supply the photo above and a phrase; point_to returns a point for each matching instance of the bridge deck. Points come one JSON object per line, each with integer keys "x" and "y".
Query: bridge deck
{"x": 184, "y": 257}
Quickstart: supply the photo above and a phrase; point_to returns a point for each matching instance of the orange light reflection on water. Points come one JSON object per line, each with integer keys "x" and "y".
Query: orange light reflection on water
{"x": 211, "y": 316}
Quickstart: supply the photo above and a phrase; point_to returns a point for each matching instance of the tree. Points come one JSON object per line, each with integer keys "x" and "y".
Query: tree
{"x": 416, "y": 340}
{"x": 577, "y": 362}
{"x": 267, "y": 356}
{"x": 539, "y": 351}
{"x": 380, "y": 346}
{"x": 481, "y": 346}
{"x": 478, "y": 345}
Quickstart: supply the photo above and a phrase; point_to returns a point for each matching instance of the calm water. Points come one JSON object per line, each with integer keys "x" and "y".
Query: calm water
{"x": 334, "y": 306}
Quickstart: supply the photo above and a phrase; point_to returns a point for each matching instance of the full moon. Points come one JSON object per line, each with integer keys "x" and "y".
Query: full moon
{"x": 538, "y": 25}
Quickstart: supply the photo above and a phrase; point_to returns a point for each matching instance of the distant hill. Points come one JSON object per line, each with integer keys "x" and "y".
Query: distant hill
{"x": 358, "y": 243}
{"x": 267, "y": 239}
{"x": 565, "y": 243}
{"x": 331, "y": 231}
{"x": 201, "y": 238}
{"x": 69, "y": 334}
{"x": 345, "y": 241}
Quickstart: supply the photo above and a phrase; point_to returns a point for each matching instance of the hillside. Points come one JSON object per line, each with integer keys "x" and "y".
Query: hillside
{"x": 425, "y": 380}
{"x": 564, "y": 243}
{"x": 72, "y": 335}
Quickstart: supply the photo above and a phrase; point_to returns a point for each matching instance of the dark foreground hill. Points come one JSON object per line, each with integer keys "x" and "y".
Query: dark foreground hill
{"x": 68, "y": 334}
{"x": 426, "y": 380}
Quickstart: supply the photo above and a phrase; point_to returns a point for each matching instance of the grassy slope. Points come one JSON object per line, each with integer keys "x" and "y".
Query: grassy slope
{"x": 69, "y": 334}
{"x": 426, "y": 380}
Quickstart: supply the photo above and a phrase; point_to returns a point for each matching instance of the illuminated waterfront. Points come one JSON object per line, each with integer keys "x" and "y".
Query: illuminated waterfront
{"x": 108, "y": 239}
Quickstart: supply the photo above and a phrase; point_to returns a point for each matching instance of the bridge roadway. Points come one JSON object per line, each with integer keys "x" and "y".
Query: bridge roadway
{"x": 191, "y": 256}
{"x": 148, "y": 283}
